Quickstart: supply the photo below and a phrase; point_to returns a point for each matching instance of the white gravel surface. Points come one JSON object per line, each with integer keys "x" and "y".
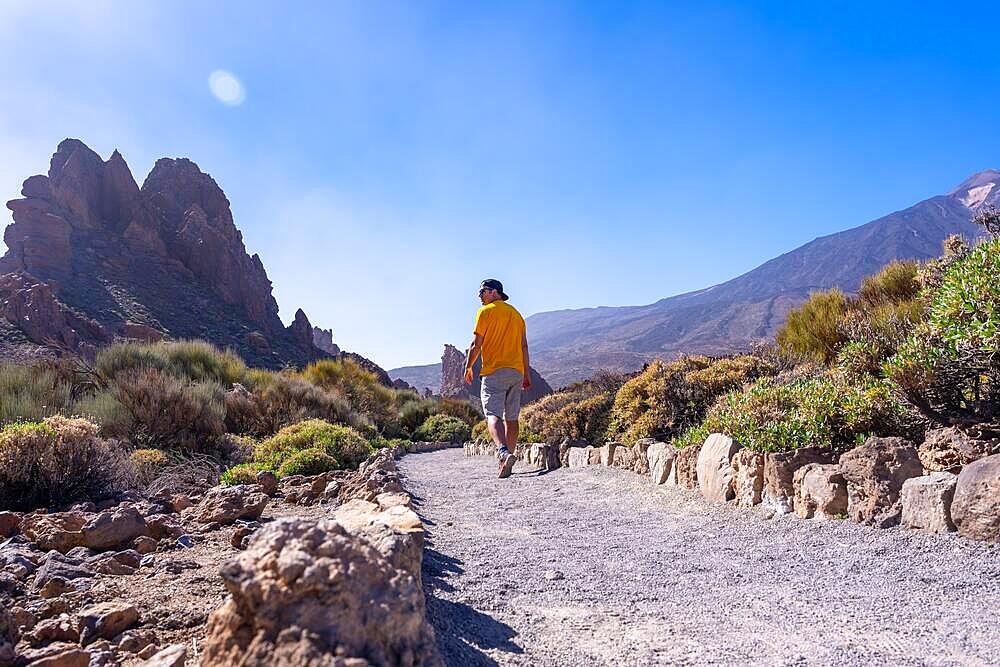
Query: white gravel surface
{"x": 596, "y": 566}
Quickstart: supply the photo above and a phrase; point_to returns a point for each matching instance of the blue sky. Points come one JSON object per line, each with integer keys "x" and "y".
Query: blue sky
{"x": 389, "y": 155}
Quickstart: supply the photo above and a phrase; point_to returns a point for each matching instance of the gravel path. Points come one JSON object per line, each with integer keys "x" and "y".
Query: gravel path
{"x": 595, "y": 566}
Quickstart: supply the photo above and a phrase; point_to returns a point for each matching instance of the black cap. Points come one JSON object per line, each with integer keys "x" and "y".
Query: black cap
{"x": 490, "y": 283}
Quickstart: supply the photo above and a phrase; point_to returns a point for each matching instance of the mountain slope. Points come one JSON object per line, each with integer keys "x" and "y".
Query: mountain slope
{"x": 570, "y": 345}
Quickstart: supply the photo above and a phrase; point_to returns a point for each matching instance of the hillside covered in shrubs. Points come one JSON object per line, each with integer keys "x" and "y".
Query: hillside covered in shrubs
{"x": 917, "y": 347}
{"x": 73, "y": 430}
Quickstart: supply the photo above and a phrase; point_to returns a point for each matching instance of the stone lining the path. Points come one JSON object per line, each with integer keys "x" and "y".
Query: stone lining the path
{"x": 881, "y": 483}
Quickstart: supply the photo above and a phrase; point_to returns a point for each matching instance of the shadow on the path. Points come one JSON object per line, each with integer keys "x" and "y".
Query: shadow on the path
{"x": 463, "y": 632}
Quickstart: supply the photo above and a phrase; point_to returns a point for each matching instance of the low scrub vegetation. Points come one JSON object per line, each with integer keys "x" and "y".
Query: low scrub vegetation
{"x": 443, "y": 428}
{"x": 58, "y": 461}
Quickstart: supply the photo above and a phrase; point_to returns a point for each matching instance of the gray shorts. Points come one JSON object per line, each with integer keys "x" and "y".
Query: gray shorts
{"x": 501, "y": 394}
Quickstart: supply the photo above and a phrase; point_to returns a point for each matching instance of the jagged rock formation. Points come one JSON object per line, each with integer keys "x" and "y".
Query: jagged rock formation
{"x": 323, "y": 339}
{"x": 93, "y": 257}
{"x": 570, "y": 345}
{"x": 453, "y": 379}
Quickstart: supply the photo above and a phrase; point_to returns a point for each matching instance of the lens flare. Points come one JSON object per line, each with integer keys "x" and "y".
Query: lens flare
{"x": 226, "y": 87}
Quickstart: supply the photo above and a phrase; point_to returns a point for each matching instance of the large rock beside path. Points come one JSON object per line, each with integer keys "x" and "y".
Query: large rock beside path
{"x": 975, "y": 508}
{"x": 927, "y": 502}
{"x": 579, "y": 457}
{"x": 227, "y": 505}
{"x": 113, "y": 528}
{"x": 948, "y": 449}
{"x": 820, "y": 491}
{"x": 661, "y": 460}
{"x": 685, "y": 472}
{"x": 307, "y": 593}
{"x": 715, "y": 468}
{"x": 875, "y": 473}
{"x": 59, "y": 531}
{"x": 748, "y": 477}
{"x": 779, "y": 475}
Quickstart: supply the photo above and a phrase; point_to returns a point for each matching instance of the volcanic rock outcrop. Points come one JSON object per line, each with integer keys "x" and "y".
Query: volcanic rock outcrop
{"x": 93, "y": 257}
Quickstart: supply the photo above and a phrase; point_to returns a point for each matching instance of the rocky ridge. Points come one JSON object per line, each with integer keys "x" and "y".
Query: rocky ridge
{"x": 93, "y": 257}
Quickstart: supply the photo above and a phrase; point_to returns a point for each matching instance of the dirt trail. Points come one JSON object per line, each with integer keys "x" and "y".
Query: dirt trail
{"x": 595, "y": 566}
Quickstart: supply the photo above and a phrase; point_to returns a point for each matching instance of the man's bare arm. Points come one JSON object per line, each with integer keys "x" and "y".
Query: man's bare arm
{"x": 475, "y": 349}
{"x": 526, "y": 383}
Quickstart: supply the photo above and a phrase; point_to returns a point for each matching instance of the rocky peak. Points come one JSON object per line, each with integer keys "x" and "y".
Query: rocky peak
{"x": 323, "y": 339}
{"x": 453, "y": 373}
{"x": 981, "y": 189}
{"x": 301, "y": 329}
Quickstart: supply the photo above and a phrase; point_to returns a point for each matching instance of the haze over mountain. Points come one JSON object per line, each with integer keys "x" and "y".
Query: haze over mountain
{"x": 569, "y": 345}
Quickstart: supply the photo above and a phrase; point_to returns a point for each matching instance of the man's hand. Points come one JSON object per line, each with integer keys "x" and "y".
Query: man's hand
{"x": 468, "y": 376}
{"x": 526, "y": 383}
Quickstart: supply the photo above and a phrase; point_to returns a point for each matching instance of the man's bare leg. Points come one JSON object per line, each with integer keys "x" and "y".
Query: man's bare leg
{"x": 512, "y": 429}
{"x": 498, "y": 433}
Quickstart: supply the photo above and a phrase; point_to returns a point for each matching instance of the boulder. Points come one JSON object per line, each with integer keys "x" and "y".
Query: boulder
{"x": 9, "y": 637}
{"x": 59, "y": 568}
{"x": 395, "y": 531}
{"x": 748, "y": 477}
{"x": 227, "y": 504}
{"x": 10, "y": 524}
{"x": 578, "y": 457}
{"x": 950, "y": 449}
{"x": 607, "y": 453}
{"x": 133, "y": 641}
{"x": 550, "y": 458}
{"x": 58, "y": 654}
{"x": 875, "y": 473}
{"x": 779, "y": 475}
{"x": 171, "y": 656}
{"x": 660, "y": 457}
{"x": 106, "y": 620}
{"x": 927, "y": 502}
{"x": 640, "y": 448}
{"x": 595, "y": 456}
{"x": 307, "y": 592}
{"x": 685, "y": 471}
{"x": 113, "y": 529}
{"x": 714, "y": 467}
{"x": 820, "y": 491}
{"x": 623, "y": 457}
{"x": 975, "y": 508}
{"x": 268, "y": 482}
{"x": 163, "y": 525}
{"x": 58, "y": 629}
{"x": 59, "y": 531}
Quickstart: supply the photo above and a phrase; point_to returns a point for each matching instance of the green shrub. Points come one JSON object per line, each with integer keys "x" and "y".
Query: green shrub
{"x": 581, "y": 410}
{"x": 192, "y": 360}
{"x": 279, "y": 399}
{"x": 162, "y": 410}
{"x": 360, "y": 387}
{"x": 148, "y": 464}
{"x": 464, "y": 410}
{"x": 307, "y": 462}
{"x": 480, "y": 432}
{"x": 443, "y": 428}
{"x": 388, "y": 443}
{"x": 57, "y": 462}
{"x": 813, "y": 330}
{"x": 667, "y": 398}
{"x": 243, "y": 473}
{"x": 694, "y": 435}
{"x": 949, "y": 368}
{"x": 827, "y": 412}
{"x": 415, "y": 413}
{"x": 348, "y": 447}
{"x": 31, "y": 393}
{"x": 895, "y": 283}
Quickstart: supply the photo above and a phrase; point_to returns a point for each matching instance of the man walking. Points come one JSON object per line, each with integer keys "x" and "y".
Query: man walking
{"x": 500, "y": 338}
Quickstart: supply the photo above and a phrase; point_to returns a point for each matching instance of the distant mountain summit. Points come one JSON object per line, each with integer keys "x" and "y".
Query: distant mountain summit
{"x": 92, "y": 258}
{"x": 570, "y": 345}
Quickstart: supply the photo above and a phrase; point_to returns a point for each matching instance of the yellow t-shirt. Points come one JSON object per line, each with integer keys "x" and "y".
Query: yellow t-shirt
{"x": 502, "y": 329}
